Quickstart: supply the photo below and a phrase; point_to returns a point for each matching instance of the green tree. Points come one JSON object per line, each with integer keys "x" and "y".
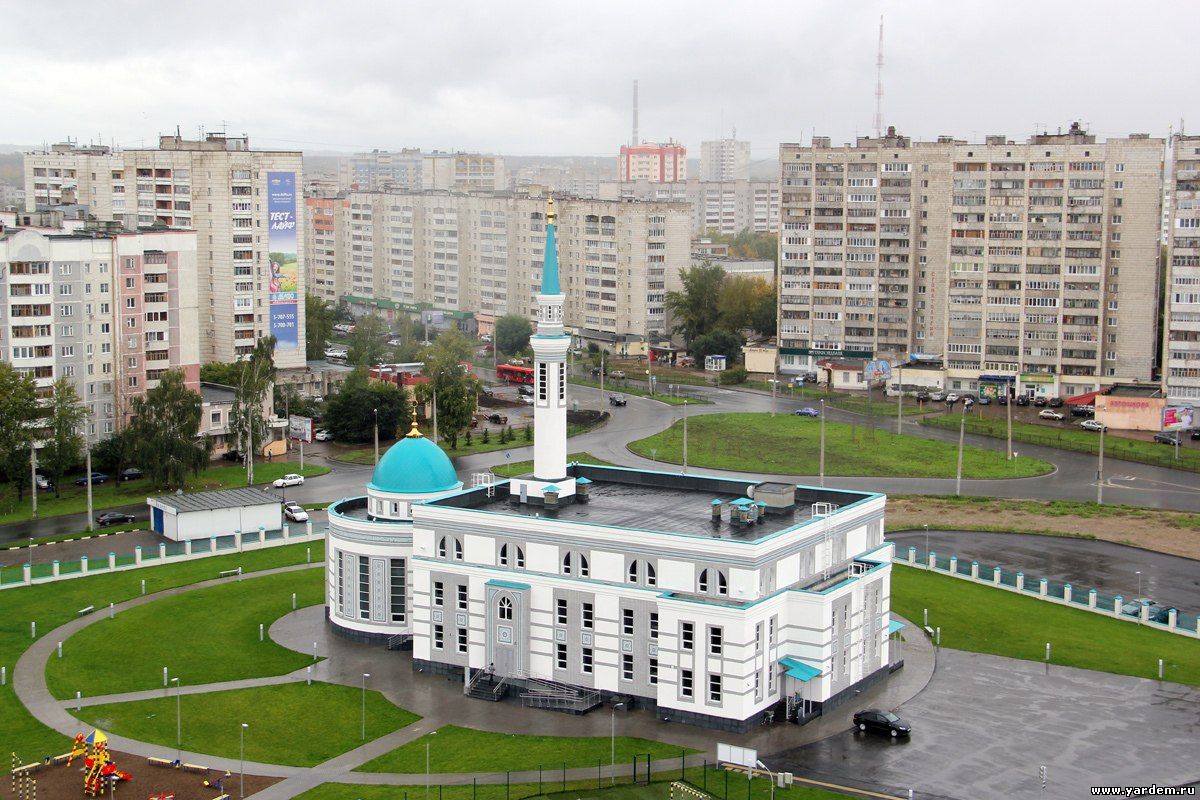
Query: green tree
{"x": 764, "y": 317}
{"x": 318, "y": 326}
{"x": 368, "y": 343}
{"x": 19, "y": 412}
{"x": 224, "y": 374}
{"x": 456, "y": 389}
{"x": 410, "y": 335}
{"x": 247, "y": 423}
{"x": 115, "y": 453}
{"x": 350, "y": 413}
{"x": 512, "y": 333}
{"x": 694, "y": 309}
{"x": 63, "y": 442}
{"x": 165, "y": 432}
{"x": 719, "y": 342}
{"x": 749, "y": 244}
{"x": 740, "y": 298}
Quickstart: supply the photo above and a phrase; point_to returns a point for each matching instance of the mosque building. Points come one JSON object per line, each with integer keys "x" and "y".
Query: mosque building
{"x": 713, "y": 601}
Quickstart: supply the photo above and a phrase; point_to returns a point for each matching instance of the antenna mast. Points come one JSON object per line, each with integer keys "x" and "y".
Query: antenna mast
{"x": 633, "y": 142}
{"x": 879, "y": 83}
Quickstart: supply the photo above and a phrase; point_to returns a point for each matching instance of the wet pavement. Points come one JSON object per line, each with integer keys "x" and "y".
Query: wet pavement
{"x": 985, "y": 724}
{"x": 1108, "y": 567}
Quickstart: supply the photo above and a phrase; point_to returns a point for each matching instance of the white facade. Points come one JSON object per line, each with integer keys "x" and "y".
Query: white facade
{"x": 1181, "y": 339}
{"x": 179, "y": 522}
{"x": 725, "y": 160}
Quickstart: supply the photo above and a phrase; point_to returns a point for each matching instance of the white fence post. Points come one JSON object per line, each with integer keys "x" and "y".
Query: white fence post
{"x": 932, "y": 560}
{"x": 162, "y": 551}
{"x": 1020, "y": 581}
{"x": 187, "y": 547}
{"x": 953, "y": 565}
{"x": 912, "y": 555}
{"x": 27, "y": 574}
{"x": 1043, "y": 587}
{"x": 83, "y": 565}
{"x": 54, "y": 568}
{"x": 112, "y": 560}
{"x": 1067, "y": 593}
{"x": 996, "y": 575}
{"x": 137, "y": 555}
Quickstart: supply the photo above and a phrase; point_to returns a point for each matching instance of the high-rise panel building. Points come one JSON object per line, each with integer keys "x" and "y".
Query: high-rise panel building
{"x": 725, "y": 160}
{"x": 245, "y": 206}
{"x": 724, "y": 207}
{"x": 412, "y": 170}
{"x": 1181, "y": 342}
{"x": 1032, "y": 264}
{"x": 324, "y": 219}
{"x": 653, "y": 162}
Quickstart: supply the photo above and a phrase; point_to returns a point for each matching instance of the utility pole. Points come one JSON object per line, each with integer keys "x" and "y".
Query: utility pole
{"x": 685, "y": 436}
{"x": 1100, "y": 470}
{"x": 87, "y": 449}
{"x": 822, "y": 441}
{"x": 602, "y": 374}
{"x": 900, "y": 401}
{"x": 650, "y": 368}
{"x": 375, "y": 411}
{"x": 33, "y": 476}
{"x": 962, "y": 429}
{"x": 435, "y": 431}
{"x": 1008, "y": 417}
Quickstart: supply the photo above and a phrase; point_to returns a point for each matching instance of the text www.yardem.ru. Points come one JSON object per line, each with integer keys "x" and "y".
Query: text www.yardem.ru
{"x": 1152, "y": 790}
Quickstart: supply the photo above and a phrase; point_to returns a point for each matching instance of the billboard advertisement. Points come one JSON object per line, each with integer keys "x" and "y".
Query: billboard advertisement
{"x": 1178, "y": 418}
{"x": 300, "y": 428}
{"x": 285, "y": 263}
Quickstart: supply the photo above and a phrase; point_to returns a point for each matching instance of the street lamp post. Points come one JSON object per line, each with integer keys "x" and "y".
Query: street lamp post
{"x": 242, "y": 757}
{"x": 899, "y": 400}
{"x": 376, "y": 412}
{"x": 612, "y": 775}
{"x": 178, "y": 725}
{"x": 364, "y": 705}
{"x": 1008, "y": 418}
{"x": 772, "y": 774}
{"x": 1139, "y": 576}
{"x": 33, "y": 477}
{"x": 927, "y": 542}
{"x": 962, "y": 429}
{"x": 431, "y": 734}
{"x": 822, "y": 441}
{"x": 685, "y": 442}
{"x": 1100, "y": 471}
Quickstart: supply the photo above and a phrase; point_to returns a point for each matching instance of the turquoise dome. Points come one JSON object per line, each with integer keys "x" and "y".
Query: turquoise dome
{"x": 414, "y": 465}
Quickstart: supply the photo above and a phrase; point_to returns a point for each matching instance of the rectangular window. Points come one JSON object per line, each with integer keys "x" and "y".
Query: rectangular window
{"x": 462, "y": 597}
{"x": 627, "y": 667}
{"x": 714, "y": 688}
{"x": 627, "y": 621}
{"x": 398, "y": 587}
{"x": 364, "y": 587}
{"x": 462, "y": 640}
{"x": 439, "y": 637}
{"x": 439, "y": 593}
{"x": 341, "y": 582}
{"x": 586, "y": 660}
{"x": 561, "y": 615}
{"x": 654, "y": 672}
{"x": 654, "y": 625}
{"x": 589, "y": 620}
{"x": 687, "y": 636}
{"x": 715, "y": 645}
{"x": 685, "y": 683}
{"x": 541, "y": 379}
{"x": 560, "y": 656}
{"x": 562, "y": 383}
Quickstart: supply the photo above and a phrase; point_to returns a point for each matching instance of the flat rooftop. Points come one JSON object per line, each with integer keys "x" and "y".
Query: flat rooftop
{"x": 657, "y": 501}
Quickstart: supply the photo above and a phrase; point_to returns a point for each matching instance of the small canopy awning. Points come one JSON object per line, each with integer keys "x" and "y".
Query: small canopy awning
{"x": 894, "y": 626}
{"x": 1083, "y": 399}
{"x": 798, "y": 669}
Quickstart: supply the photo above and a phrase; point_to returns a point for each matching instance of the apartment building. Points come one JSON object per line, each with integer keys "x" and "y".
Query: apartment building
{"x": 657, "y": 163}
{"x": 483, "y": 253}
{"x": 325, "y": 217}
{"x": 723, "y": 207}
{"x": 379, "y": 170}
{"x": 1006, "y": 260}
{"x": 725, "y": 160}
{"x": 412, "y": 170}
{"x": 244, "y": 205}
{"x": 1181, "y": 342}
{"x": 109, "y": 312}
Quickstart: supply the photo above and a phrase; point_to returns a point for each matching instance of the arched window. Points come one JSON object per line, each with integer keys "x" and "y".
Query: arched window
{"x": 442, "y": 547}
{"x": 504, "y": 609}
{"x": 703, "y": 583}
{"x": 583, "y": 566}
{"x": 722, "y": 583}
{"x": 504, "y": 555}
{"x": 566, "y": 564}
{"x": 458, "y": 550}
{"x": 520, "y": 557}
{"x": 651, "y": 578}
{"x": 633, "y": 572}
{"x": 575, "y": 563}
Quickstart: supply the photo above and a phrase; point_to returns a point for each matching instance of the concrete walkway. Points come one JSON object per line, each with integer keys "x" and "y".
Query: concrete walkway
{"x": 439, "y": 701}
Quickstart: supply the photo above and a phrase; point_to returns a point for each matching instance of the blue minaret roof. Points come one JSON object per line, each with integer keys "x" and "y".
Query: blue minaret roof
{"x": 550, "y": 260}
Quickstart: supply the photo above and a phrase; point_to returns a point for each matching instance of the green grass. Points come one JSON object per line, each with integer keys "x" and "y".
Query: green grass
{"x": 1067, "y": 436}
{"x": 858, "y": 403}
{"x": 613, "y": 387}
{"x": 73, "y": 499}
{"x": 790, "y": 445}
{"x": 983, "y": 619}
{"x": 1065, "y": 508}
{"x": 292, "y": 723}
{"x": 52, "y": 604}
{"x": 523, "y": 467}
{"x": 477, "y": 445}
{"x": 719, "y": 784}
{"x": 456, "y": 749}
{"x": 204, "y": 636}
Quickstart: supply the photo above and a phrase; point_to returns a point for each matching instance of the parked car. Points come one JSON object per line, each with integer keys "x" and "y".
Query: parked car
{"x": 1047, "y": 413}
{"x": 1022, "y": 400}
{"x": 131, "y": 474}
{"x": 497, "y": 419}
{"x": 1195, "y": 434}
{"x": 97, "y": 478}
{"x": 1093, "y": 425}
{"x": 113, "y": 518}
{"x": 922, "y": 397}
{"x": 44, "y": 484}
{"x": 1002, "y": 400}
{"x": 618, "y": 373}
{"x": 937, "y": 397}
{"x": 525, "y": 391}
{"x": 1056, "y": 402}
{"x": 1161, "y": 438}
{"x": 1082, "y": 411}
{"x": 596, "y": 372}
{"x": 951, "y": 399}
{"x": 807, "y": 411}
{"x": 984, "y": 401}
{"x": 1040, "y": 401}
{"x": 1161, "y": 614}
{"x": 1133, "y": 608}
{"x": 968, "y": 401}
{"x": 617, "y": 400}
{"x": 874, "y": 719}
{"x": 322, "y": 435}
{"x": 295, "y": 512}
{"x": 231, "y": 455}
{"x": 487, "y": 337}
{"x": 527, "y": 399}
{"x": 291, "y": 479}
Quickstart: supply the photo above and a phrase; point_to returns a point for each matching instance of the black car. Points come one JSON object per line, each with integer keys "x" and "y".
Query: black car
{"x": 131, "y": 474}
{"x": 1083, "y": 411}
{"x": 525, "y": 391}
{"x": 1022, "y": 400}
{"x": 1002, "y": 399}
{"x": 1167, "y": 438}
{"x": 617, "y": 400}
{"x": 1195, "y": 434}
{"x": 1056, "y": 402}
{"x": 874, "y": 719}
{"x": 113, "y": 518}
{"x": 97, "y": 478}
{"x": 985, "y": 401}
{"x": 922, "y": 397}
{"x": 1040, "y": 401}
{"x": 231, "y": 455}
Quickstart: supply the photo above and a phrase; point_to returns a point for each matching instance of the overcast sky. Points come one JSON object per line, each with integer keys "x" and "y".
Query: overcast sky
{"x": 556, "y": 78}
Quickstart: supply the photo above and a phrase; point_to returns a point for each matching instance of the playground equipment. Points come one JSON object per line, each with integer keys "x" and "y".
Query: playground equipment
{"x": 99, "y": 770}
{"x": 685, "y": 792}
{"x": 24, "y": 785}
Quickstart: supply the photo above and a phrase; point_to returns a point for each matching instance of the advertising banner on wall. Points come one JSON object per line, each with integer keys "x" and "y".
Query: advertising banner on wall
{"x": 1178, "y": 418}
{"x": 285, "y": 263}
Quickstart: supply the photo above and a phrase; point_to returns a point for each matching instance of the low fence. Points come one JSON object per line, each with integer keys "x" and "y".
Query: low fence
{"x": 1183, "y": 623}
{"x": 166, "y": 552}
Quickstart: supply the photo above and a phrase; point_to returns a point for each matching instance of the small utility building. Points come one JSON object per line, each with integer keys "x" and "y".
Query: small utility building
{"x": 203, "y": 514}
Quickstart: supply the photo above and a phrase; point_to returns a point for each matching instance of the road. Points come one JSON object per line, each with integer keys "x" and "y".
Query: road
{"x": 1126, "y": 483}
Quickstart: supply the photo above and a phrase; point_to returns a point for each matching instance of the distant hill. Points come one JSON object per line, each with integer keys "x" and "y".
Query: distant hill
{"x": 12, "y": 170}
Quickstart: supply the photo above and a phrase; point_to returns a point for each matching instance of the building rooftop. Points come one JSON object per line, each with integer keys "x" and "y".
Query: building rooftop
{"x": 665, "y": 503}
{"x": 225, "y": 498}
{"x": 217, "y": 393}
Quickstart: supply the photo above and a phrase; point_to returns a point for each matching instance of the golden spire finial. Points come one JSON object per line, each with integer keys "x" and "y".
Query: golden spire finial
{"x": 414, "y": 433}
{"x": 550, "y": 215}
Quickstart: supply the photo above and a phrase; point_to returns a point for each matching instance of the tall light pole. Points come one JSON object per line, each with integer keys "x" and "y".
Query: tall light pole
{"x": 1100, "y": 470}
{"x": 242, "y": 769}
{"x": 899, "y": 400}
{"x": 1139, "y": 574}
{"x": 612, "y": 773}
{"x": 431, "y": 735}
{"x": 926, "y": 542}
{"x": 1008, "y": 417}
{"x": 822, "y": 441}
{"x": 962, "y": 429}
{"x": 33, "y": 477}
{"x": 178, "y": 726}
{"x": 364, "y": 705}
{"x": 685, "y": 435}
{"x": 435, "y": 430}
{"x": 87, "y": 449}
{"x": 376, "y": 412}
{"x": 772, "y": 774}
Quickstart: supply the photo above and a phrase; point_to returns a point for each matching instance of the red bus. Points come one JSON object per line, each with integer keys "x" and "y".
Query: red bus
{"x": 513, "y": 374}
